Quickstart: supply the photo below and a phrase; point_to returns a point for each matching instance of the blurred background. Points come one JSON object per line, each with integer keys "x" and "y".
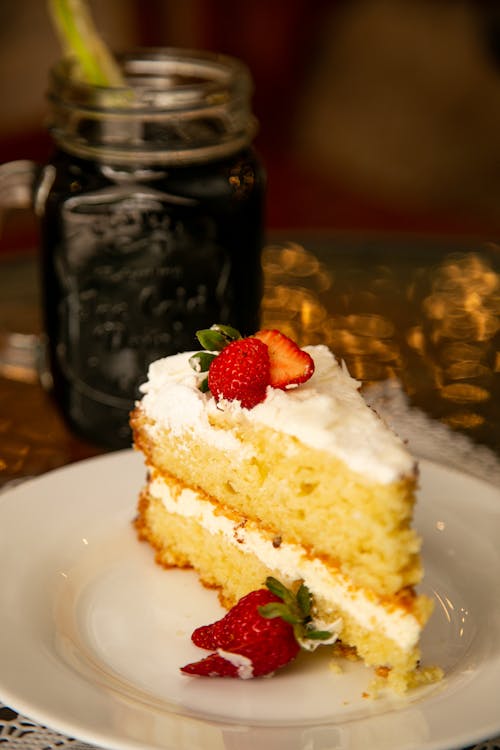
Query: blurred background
{"x": 378, "y": 115}
{"x": 380, "y": 132}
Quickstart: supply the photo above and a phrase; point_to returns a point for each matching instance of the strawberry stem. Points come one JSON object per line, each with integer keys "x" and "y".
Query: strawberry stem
{"x": 295, "y": 609}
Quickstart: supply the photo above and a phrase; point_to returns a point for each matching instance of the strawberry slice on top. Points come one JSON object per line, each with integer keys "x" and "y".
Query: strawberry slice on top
{"x": 289, "y": 365}
{"x": 241, "y": 369}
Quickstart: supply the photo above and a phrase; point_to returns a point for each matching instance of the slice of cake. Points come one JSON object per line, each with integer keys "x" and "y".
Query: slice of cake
{"x": 275, "y": 466}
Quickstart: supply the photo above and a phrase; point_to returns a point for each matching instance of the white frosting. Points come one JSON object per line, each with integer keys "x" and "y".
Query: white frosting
{"x": 327, "y": 412}
{"x": 244, "y": 665}
{"x": 172, "y": 398}
{"x": 291, "y": 563}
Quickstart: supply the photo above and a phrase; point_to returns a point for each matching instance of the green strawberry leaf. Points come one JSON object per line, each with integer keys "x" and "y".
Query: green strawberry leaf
{"x": 304, "y": 600}
{"x": 203, "y": 385}
{"x": 276, "y": 609}
{"x": 213, "y": 341}
{"x": 317, "y": 635}
{"x": 201, "y": 361}
{"x": 217, "y": 337}
{"x": 295, "y": 609}
{"x": 278, "y": 589}
{"x": 231, "y": 334}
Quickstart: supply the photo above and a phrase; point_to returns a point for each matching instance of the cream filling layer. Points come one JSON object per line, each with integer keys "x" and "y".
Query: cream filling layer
{"x": 291, "y": 563}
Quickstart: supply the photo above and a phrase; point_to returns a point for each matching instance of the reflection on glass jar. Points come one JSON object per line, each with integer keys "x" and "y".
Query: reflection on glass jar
{"x": 151, "y": 220}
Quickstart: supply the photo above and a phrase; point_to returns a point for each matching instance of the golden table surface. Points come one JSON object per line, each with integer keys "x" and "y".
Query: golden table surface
{"x": 422, "y": 312}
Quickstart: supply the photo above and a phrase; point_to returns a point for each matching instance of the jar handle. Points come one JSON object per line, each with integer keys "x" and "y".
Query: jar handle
{"x": 17, "y": 179}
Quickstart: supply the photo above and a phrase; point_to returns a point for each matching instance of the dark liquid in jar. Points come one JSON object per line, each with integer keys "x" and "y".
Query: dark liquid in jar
{"x": 132, "y": 268}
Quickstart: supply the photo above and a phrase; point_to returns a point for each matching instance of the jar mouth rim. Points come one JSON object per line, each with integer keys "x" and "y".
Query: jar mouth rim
{"x": 182, "y": 106}
{"x": 159, "y": 77}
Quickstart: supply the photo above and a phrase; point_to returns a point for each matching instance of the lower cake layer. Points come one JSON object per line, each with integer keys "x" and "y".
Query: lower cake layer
{"x": 306, "y": 494}
{"x": 234, "y": 555}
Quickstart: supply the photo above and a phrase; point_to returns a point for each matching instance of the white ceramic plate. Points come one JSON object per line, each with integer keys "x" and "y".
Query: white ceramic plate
{"x": 93, "y": 632}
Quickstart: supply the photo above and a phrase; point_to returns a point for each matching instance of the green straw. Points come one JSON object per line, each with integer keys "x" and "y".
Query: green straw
{"x": 81, "y": 42}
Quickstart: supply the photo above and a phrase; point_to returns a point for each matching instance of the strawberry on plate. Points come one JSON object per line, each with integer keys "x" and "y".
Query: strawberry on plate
{"x": 245, "y": 643}
{"x": 261, "y": 633}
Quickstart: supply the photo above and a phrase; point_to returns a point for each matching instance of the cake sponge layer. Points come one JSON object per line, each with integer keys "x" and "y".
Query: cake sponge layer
{"x": 300, "y": 494}
{"x": 188, "y": 529}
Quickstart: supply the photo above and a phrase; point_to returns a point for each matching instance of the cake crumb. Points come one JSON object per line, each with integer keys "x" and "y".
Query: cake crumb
{"x": 335, "y": 667}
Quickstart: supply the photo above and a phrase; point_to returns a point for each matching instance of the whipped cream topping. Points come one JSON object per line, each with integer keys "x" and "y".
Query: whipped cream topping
{"x": 327, "y": 413}
{"x": 291, "y": 563}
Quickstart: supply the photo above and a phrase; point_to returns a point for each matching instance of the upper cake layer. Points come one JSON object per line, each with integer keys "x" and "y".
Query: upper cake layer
{"x": 327, "y": 413}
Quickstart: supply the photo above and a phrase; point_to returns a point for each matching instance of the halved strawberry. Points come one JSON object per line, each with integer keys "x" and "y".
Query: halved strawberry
{"x": 289, "y": 365}
{"x": 213, "y": 665}
{"x": 245, "y": 643}
{"x": 261, "y": 633}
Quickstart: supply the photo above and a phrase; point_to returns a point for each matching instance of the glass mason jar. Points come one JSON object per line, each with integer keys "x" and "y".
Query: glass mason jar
{"x": 151, "y": 217}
